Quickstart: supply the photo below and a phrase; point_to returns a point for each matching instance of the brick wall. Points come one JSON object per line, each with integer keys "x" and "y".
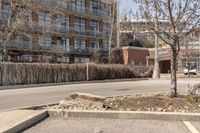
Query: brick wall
{"x": 135, "y": 56}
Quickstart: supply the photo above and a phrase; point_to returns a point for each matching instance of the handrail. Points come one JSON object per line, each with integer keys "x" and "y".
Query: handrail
{"x": 35, "y": 26}
{"x": 71, "y": 7}
{"x": 29, "y": 46}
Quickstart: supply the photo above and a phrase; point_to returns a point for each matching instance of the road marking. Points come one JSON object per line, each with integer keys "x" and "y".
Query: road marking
{"x": 190, "y": 127}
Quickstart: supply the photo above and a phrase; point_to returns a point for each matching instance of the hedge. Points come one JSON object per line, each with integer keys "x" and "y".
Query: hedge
{"x": 36, "y": 73}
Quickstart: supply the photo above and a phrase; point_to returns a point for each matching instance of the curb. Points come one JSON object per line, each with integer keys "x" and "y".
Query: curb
{"x": 68, "y": 83}
{"x": 127, "y": 115}
{"x": 26, "y": 123}
{"x": 34, "y": 107}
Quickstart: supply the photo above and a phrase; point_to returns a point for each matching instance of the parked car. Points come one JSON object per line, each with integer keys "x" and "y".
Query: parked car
{"x": 191, "y": 70}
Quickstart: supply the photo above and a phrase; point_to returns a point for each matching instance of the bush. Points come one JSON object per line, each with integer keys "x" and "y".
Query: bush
{"x": 25, "y": 73}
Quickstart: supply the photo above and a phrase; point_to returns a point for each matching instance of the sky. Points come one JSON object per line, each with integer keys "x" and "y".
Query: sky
{"x": 126, "y": 6}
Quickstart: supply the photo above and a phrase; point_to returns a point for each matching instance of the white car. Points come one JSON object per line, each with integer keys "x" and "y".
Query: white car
{"x": 192, "y": 70}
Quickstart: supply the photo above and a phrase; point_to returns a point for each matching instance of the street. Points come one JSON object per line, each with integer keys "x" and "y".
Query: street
{"x": 15, "y": 98}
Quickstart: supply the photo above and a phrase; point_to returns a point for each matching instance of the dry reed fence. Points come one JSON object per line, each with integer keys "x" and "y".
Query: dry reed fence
{"x": 25, "y": 73}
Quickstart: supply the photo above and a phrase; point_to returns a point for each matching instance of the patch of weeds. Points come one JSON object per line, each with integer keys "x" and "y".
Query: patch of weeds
{"x": 121, "y": 102}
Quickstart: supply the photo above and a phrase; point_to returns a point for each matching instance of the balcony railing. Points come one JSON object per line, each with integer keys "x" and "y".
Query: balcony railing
{"x": 70, "y": 7}
{"x": 35, "y": 26}
{"x": 35, "y": 47}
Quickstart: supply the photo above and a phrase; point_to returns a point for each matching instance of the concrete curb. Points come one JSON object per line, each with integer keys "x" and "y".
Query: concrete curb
{"x": 26, "y": 123}
{"x": 34, "y": 107}
{"x": 68, "y": 83}
{"x": 127, "y": 115}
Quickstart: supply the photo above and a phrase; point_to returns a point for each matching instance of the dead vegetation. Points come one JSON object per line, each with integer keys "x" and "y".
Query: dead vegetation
{"x": 152, "y": 103}
{"x": 35, "y": 73}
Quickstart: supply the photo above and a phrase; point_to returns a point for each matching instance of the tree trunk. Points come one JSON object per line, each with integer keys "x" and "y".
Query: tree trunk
{"x": 188, "y": 68}
{"x": 173, "y": 75}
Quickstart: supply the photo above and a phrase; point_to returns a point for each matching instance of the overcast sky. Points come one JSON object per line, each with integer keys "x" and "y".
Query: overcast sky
{"x": 126, "y": 5}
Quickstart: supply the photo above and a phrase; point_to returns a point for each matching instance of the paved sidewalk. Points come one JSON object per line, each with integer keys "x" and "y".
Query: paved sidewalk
{"x": 16, "y": 119}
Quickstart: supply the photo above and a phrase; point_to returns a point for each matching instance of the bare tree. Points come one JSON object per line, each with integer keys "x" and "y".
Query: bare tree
{"x": 188, "y": 53}
{"x": 175, "y": 20}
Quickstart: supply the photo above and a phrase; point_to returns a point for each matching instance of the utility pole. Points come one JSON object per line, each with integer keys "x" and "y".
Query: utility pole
{"x": 118, "y": 24}
{"x": 156, "y": 71}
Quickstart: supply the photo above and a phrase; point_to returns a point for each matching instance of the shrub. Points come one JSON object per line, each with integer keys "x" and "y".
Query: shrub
{"x": 35, "y": 73}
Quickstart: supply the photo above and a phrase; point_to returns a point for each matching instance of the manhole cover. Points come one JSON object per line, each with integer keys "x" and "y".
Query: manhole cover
{"x": 123, "y": 89}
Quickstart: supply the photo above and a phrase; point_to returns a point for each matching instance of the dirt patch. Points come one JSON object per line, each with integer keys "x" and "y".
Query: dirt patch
{"x": 153, "y": 103}
{"x": 158, "y": 103}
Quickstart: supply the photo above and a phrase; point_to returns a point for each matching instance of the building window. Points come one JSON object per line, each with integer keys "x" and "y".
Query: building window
{"x": 44, "y": 19}
{"x": 62, "y": 23}
{"x": 80, "y": 44}
{"x": 80, "y": 24}
{"x": 81, "y": 60}
{"x": 65, "y": 59}
{"x": 78, "y": 5}
{"x": 62, "y": 3}
{"x": 94, "y": 26}
{"x": 23, "y": 42}
{"x": 45, "y": 41}
{"x": 46, "y": 59}
{"x": 94, "y": 44}
{"x": 105, "y": 45}
{"x": 64, "y": 43}
{"x": 1, "y": 57}
{"x": 107, "y": 28}
{"x": 25, "y": 58}
{"x": 24, "y": 14}
{"x": 5, "y": 12}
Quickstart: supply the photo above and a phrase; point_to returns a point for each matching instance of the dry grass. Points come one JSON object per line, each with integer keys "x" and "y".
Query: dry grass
{"x": 25, "y": 73}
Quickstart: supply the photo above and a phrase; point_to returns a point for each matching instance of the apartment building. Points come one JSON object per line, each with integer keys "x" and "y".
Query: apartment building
{"x": 133, "y": 31}
{"x": 55, "y": 31}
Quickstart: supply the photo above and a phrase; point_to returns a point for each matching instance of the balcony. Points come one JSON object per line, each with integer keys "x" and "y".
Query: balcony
{"x": 65, "y": 5}
{"x": 34, "y": 26}
{"x": 35, "y": 47}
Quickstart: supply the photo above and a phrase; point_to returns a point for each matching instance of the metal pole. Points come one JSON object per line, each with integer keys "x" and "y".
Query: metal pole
{"x": 118, "y": 24}
{"x": 87, "y": 71}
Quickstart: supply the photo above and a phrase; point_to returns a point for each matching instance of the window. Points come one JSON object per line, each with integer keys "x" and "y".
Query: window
{"x": 79, "y": 5}
{"x": 80, "y": 24}
{"x": 94, "y": 45}
{"x": 80, "y": 44}
{"x": 44, "y": 19}
{"x": 47, "y": 59}
{"x": 81, "y": 60}
{"x": 107, "y": 28}
{"x": 5, "y": 12}
{"x": 23, "y": 42}
{"x": 62, "y": 3}
{"x": 24, "y": 14}
{"x": 65, "y": 59}
{"x": 1, "y": 57}
{"x": 105, "y": 45}
{"x": 45, "y": 41}
{"x": 94, "y": 26}
{"x": 64, "y": 43}
{"x": 62, "y": 23}
{"x": 24, "y": 58}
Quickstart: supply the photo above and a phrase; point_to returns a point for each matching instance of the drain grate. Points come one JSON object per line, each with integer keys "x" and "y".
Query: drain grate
{"x": 123, "y": 89}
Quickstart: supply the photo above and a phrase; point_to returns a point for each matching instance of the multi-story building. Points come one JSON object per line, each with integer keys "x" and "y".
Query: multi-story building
{"x": 61, "y": 31}
{"x": 138, "y": 30}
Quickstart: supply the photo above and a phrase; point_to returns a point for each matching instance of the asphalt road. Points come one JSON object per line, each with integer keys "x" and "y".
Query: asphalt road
{"x": 43, "y": 95}
{"x": 90, "y": 125}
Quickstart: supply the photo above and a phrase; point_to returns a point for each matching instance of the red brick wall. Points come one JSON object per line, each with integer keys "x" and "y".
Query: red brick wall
{"x": 135, "y": 56}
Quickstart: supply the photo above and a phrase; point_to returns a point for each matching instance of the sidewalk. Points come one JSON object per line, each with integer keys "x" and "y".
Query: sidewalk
{"x": 17, "y": 120}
